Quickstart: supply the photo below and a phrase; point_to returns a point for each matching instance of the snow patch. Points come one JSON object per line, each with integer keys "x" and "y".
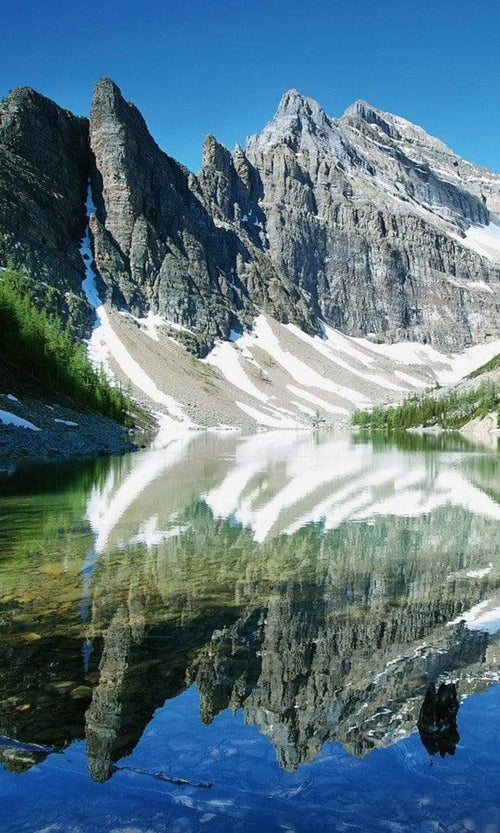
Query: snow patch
{"x": 479, "y": 573}
{"x": 267, "y": 419}
{"x": 104, "y": 342}
{"x": 89, "y": 284}
{"x": 224, "y": 358}
{"x": 485, "y": 240}
{"x": 7, "y": 418}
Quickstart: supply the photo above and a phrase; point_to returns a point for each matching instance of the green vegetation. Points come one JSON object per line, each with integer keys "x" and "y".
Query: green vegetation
{"x": 450, "y": 410}
{"x": 41, "y": 349}
{"x": 493, "y": 364}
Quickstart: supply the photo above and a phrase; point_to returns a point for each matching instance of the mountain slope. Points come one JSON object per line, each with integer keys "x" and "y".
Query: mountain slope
{"x": 44, "y": 161}
{"x": 158, "y": 246}
{"x": 275, "y": 376}
{"x": 377, "y": 221}
{"x": 266, "y": 262}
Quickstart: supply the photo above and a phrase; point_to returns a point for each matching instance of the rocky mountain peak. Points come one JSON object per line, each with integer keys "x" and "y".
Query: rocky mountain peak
{"x": 106, "y": 90}
{"x": 297, "y": 116}
{"x": 215, "y": 155}
{"x": 293, "y": 102}
{"x": 365, "y": 222}
{"x": 363, "y": 111}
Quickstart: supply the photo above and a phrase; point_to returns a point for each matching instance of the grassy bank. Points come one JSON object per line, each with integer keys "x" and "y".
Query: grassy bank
{"x": 38, "y": 348}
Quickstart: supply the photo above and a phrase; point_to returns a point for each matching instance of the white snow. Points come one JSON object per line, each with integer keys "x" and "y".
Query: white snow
{"x": 225, "y": 358}
{"x": 474, "y": 286}
{"x": 447, "y": 369}
{"x": 347, "y": 344}
{"x": 317, "y": 400}
{"x": 485, "y": 240}
{"x": 405, "y": 377}
{"x": 6, "y": 418}
{"x": 304, "y": 408}
{"x": 299, "y": 370}
{"x": 479, "y": 573}
{"x": 267, "y": 419}
{"x": 323, "y": 347}
{"x": 151, "y": 323}
{"x": 65, "y": 421}
{"x": 484, "y": 616}
{"x": 11, "y": 397}
{"x": 354, "y": 368}
{"x": 89, "y": 283}
{"x": 104, "y": 342}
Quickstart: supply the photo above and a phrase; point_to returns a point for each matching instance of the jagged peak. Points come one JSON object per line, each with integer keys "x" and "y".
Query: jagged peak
{"x": 106, "y": 91}
{"x": 294, "y": 103}
{"x": 397, "y": 127}
{"x": 27, "y": 97}
{"x": 26, "y": 92}
{"x": 214, "y": 154}
{"x": 296, "y": 115}
{"x": 108, "y": 103}
{"x": 371, "y": 115}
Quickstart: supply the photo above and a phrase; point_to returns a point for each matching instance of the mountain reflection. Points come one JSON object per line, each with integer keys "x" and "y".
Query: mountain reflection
{"x": 320, "y": 585}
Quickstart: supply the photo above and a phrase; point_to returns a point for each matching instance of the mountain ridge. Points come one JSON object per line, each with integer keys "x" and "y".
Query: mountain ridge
{"x": 364, "y": 224}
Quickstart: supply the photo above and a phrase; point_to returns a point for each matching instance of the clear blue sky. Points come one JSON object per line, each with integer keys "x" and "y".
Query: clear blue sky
{"x": 220, "y": 66}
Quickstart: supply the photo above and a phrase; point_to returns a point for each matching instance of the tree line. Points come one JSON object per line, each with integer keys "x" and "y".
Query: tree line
{"x": 39, "y": 346}
{"x": 448, "y": 410}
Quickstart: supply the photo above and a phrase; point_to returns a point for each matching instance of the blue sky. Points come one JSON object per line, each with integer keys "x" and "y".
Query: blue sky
{"x": 220, "y": 66}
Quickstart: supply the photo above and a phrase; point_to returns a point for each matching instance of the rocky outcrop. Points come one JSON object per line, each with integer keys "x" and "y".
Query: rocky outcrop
{"x": 43, "y": 180}
{"x": 160, "y": 246}
{"x": 368, "y": 214}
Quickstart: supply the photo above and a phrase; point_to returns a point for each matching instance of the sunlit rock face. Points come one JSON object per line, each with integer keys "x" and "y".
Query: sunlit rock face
{"x": 44, "y": 162}
{"x": 369, "y": 214}
{"x": 364, "y": 222}
{"x": 158, "y": 245}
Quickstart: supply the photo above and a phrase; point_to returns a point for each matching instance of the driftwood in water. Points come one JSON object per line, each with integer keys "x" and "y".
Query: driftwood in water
{"x": 162, "y": 776}
{"x": 34, "y": 748}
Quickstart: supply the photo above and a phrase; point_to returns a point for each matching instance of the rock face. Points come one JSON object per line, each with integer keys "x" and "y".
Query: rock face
{"x": 368, "y": 213}
{"x": 43, "y": 180}
{"x": 157, "y": 242}
{"x": 365, "y": 222}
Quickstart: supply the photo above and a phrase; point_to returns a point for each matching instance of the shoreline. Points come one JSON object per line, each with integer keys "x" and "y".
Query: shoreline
{"x": 33, "y": 431}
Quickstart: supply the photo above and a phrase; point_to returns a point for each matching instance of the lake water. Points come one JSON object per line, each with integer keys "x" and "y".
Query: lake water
{"x": 260, "y": 617}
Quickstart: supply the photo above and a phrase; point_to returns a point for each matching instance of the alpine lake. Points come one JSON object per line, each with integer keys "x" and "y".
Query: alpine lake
{"x": 278, "y": 632}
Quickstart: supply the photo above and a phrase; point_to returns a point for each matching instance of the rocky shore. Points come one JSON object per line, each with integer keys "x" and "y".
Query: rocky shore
{"x": 32, "y": 430}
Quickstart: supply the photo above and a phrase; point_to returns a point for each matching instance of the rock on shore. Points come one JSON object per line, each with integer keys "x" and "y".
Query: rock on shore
{"x": 34, "y": 430}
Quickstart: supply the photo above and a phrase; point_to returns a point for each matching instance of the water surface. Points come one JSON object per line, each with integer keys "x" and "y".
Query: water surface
{"x": 260, "y": 614}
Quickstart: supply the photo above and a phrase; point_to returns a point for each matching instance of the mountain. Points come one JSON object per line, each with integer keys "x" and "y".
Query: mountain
{"x": 361, "y": 226}
{"x": 376, "y": 220}
{"x": 44, "y": 160}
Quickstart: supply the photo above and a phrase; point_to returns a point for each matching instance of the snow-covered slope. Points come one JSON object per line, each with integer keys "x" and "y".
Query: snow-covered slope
{"x": 275, "y": 376}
